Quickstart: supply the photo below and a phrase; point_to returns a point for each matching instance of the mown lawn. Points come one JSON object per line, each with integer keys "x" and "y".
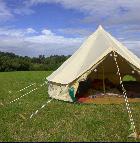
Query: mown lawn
{"x": 58, "y": 121}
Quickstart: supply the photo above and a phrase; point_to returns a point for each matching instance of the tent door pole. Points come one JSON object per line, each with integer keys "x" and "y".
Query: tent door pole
{"x": 103, "y": 78}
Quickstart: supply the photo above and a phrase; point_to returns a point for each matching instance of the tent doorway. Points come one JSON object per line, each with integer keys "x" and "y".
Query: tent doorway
{"x": 104, "y": 81}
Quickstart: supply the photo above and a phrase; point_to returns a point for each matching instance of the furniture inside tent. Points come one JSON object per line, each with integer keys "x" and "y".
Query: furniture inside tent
{"x": 93, "y": 66}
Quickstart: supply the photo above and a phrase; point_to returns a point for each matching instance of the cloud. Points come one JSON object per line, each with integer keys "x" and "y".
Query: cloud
{"x": 95, "y": 11}
{"x": 23, "y": 10}
{"x": 48, "y": 43}
{"x": 16, "y": 32}
{"x": 125, "y": 32}
{"x": 120, "y": 18}
{"x": 5, "y": 12}
{"x": 47, "y": 32}
{"x": 73, "y": 32}
{"x": 134, "y": 46}
{"x": 100, "y": 11}
{"x": 31, "y": 30}
{"x": 103, "y": 12}
{"x": 48, "y": 37}
{"x": 9, "y": 12}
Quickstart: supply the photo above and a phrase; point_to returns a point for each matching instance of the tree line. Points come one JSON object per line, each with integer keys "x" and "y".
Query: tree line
{"x": 12, "y": 62}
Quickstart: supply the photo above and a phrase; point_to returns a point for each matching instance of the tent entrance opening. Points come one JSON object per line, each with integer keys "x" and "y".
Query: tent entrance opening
{"x": 103, "y": 82}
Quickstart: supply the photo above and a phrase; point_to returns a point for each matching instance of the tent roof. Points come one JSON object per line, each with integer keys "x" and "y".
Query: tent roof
{"x": 94, "y": 49}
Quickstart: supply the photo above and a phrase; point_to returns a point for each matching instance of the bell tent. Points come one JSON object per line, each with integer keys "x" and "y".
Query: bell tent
{"x": 95, "y": 59}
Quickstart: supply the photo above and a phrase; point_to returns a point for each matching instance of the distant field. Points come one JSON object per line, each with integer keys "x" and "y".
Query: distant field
{"x": 58, "y": 121}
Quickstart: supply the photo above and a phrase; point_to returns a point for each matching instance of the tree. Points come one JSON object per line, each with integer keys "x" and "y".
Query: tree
{"x": 12, "y": 62}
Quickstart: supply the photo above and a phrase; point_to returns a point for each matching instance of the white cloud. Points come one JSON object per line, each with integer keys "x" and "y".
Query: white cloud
{"x": 134, "y": 46}
{"x": 95, "y": 11}
{"x": 48, "y": 43}
{"x": 82, "y": 32}
{"x": 11, "y": 32}
{"x": 5, "y": 13}
{"x": 9, "y": 12}
{"x": 48, "y": 36}
{"x": 100, "y": 11}
{"x": 23, "y": 10}
{"x": 30, "y": 30}
{"x": 107, "y": 12}
{"x": 47, "y": 32}
{"x": 16, "y": 32}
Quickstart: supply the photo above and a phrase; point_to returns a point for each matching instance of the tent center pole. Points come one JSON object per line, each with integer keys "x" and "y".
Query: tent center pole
{"x": 103, "y": 78}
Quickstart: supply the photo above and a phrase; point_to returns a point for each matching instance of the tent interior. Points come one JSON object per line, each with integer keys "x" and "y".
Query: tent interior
{"x": 104, "y": 79}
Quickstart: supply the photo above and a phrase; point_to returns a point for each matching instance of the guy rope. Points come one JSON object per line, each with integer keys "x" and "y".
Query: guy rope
{"x": 133, "y": 127}
{"x": 40, "y": 108}
{"x": 26, "y": 93}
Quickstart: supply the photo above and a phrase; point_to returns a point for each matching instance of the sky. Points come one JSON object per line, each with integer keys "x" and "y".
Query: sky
{"x": 59, "y": 27}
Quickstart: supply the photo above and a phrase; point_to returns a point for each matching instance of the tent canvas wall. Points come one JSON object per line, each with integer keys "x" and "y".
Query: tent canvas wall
{"x": 95, "y": 50}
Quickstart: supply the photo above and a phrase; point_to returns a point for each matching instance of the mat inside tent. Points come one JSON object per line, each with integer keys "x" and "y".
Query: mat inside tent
{"x": 87, "y": 94}
{"x": 106, "y": 100}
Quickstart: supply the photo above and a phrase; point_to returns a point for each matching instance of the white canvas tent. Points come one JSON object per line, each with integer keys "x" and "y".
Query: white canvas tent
{"x": 94, "y": 52}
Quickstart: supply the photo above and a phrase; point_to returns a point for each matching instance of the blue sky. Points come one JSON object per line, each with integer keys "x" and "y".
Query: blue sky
{"x": 33, "y": 27}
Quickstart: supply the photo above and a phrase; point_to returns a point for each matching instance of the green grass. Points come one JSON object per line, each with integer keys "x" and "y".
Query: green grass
{"x": 58, "y": 121}
{"x": 129, "y": 78}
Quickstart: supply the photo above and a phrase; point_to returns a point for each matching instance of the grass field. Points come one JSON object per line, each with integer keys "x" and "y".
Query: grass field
{"x": 58, "y": 121}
